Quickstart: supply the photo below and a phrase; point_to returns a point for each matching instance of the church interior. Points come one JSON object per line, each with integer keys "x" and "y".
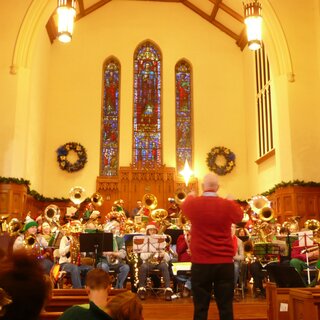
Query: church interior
{"x": 144, "y": 98}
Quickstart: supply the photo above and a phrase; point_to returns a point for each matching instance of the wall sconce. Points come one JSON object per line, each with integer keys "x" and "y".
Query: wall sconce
{"x": 66, "y": 11}
{"x": 253, "y": 21}
{"x": 186, "y": 173}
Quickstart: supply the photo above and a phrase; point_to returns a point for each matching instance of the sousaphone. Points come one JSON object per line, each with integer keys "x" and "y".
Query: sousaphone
{"x": 77, "y": 195}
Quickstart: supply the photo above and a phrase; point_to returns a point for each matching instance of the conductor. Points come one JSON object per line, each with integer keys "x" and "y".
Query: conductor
{"x": 211, "y": 248}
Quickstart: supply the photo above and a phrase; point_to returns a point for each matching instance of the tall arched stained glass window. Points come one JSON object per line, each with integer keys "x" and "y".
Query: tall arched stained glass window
{"x": 110, "y": 118}
{"x": 147, "y": 106}
{"x": 183, "y": 77}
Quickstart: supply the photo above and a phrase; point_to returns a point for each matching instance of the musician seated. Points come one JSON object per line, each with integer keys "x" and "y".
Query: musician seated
{"x": 35, "y": 244}
{"x": 152, "y": 261}
{"x": 304, "y": 257}
{"x": 238, "y": 254}
{"x": 115, "y": 260}
{"x": 69, "y": 260}
{"x": 184, "y": 255}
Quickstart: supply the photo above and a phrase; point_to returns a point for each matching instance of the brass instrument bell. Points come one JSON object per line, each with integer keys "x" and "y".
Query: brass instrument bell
{"x": 312, "y": 224}
{"x": 266, "y": 214}
{"x": 159, "y": 214}
{"x": 97, "y": 199}
{"x": 258, "y": 202}
{"x": 77, "y": 195}
{"x": 52, "y": 213}
{"x": 150, "y": 201}
{"x": 180, "y": 196}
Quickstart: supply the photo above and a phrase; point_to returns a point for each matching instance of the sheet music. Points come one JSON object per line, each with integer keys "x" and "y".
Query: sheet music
{"x": 305, "y": 238}
{"x": 149, "y": 244}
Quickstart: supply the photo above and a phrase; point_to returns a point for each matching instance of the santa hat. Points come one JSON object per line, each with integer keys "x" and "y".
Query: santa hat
{"x": 150, "y": 226}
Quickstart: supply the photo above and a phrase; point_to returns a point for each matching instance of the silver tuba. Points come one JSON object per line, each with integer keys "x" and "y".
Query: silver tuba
{"x": 52, "y": 214}
{"x": 77, "y": 195}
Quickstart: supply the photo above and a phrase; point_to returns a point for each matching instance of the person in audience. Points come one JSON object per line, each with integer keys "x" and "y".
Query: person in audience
{"x": 97, "y": 287}
{"x": 211, "y": 247}
{"x": 125, "y": 306}
{"x": 151, "y": 261}
{"x": 115, "y": 260}
{"x": 35, "y": 244}
{"x": 24, "y": 287}
{"x": 69, "y": 258}
{"x": 238, "y": 257}
{"x": 184, "y": 255}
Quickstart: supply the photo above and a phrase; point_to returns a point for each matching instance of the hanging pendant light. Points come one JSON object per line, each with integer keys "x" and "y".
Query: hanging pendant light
{"x": 253, "y": 21}
{"x": 66, "y": 11}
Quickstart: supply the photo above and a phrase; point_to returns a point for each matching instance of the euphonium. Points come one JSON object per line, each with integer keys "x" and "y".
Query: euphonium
{"x": 160, "y": 215}
{"x": 266, "y": 214}
{"x": 97, "y": 199}
{"x": 77, "y": 195}
{"x": 14, "y": 227}
{"x": 257, "y": 203}
{"x": 312, "y": 224}
{"x": 31, "y": 244}
{"x": 52, "y": 215}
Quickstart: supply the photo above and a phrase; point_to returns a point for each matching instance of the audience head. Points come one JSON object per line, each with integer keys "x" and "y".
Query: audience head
{"x": 210, "y": 182}
{"x": 125, "y": 306}
{"x": 23, "y": 280}
{"x": 97, "y": 279}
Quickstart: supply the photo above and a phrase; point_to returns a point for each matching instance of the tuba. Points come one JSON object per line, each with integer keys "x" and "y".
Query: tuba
{"x": 52, "y": 214}
{"x": 97, "y": 199}
{"x": 312, "y": 224}
{"x": 261, "y": 207}
{"x": 150, "y": 201}
{"x": 77, "y": 195}
{"x": 14, "y": 227}
{"x": 266, "y": 214}
{"x": 160, "y": 215}
{"x": 180, "y": 196}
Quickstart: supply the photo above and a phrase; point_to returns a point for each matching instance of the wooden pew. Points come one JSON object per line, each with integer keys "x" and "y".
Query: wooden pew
{"x": 65, "y": 298}
{"x": 81, "y": 292}
{"x": 277, "y": 302}
{"x": 304, "y": 304}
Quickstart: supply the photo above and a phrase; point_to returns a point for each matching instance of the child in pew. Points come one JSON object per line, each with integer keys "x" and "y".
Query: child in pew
{"x": 97, "y": 286}
{"x": 123, "y": 306}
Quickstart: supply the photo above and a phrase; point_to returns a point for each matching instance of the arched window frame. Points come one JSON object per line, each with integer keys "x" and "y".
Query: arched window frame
{"x": 110, "y": 119}
{"x": 184, "y": 113}
{"x": 148, "y": 153}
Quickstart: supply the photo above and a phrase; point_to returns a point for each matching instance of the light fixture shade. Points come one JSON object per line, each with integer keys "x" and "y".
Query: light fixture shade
{"x": 66, "y": 11}
{"x": 253, "y": 21}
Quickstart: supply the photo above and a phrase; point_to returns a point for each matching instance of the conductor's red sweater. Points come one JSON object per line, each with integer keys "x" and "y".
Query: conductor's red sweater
{"x": 211, "y": 218}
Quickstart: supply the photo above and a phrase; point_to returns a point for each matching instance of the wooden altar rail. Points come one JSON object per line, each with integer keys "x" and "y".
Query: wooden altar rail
{"x": 292, "y": 303}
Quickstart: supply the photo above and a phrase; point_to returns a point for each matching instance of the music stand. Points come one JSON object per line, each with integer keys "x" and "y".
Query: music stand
{"x": 174, "y": 234}
{"x": 285, "y": 276}
{"x": 305, "y": 240}
{"x": 97, "y": 243}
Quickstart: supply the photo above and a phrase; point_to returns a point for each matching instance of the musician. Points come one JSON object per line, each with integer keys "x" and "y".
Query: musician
{"x": 46, "y": 231}
{"x": 151, "y": 261}
{"x": 300, "y": 254}
{"x": 173, "y": 210}
{"x": 89, "y": 209}
{"x": 115, "y": 260}
{"x": 29, "y": 231}
{"x": 69, "y": 255}
{"x": 184, "y": 255}
{"x": 238, "y": 254}
{"x": 212, "y": 248}
{"x": 136, "y": 209}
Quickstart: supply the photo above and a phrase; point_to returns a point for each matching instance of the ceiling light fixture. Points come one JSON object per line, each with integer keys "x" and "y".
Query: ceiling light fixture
{"x": 253, "y": 21}
{"x": 66, "y": 11}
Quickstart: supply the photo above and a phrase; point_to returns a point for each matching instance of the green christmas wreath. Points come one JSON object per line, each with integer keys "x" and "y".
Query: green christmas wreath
{"x": 221, "y": 160}
{"x": 63, "y": 152}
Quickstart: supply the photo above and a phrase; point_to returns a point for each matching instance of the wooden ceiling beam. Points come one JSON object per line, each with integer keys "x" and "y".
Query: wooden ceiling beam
{"x": 91, "y": 9}
{"x": 208, "y": 18}
{"x": 242, "y": 40}
{"x": 228, "y": 10}
{"x": 215, "y": 9}
{"x": 81, "y": 6}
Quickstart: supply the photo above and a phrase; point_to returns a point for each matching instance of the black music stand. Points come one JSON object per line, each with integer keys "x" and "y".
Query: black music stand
{"x": 174, "y": 234}
{"x": 97, "y": 243}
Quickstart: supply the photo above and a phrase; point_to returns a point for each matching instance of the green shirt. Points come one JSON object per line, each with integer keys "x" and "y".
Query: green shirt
{"x": 85, "y": 312}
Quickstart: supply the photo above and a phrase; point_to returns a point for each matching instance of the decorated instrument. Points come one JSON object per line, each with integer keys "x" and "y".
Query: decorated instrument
{"x": 150, "y": 201}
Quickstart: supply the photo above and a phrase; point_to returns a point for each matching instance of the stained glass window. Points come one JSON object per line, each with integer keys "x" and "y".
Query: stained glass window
{"x": 183, "y": 77}
{"x": 110, "y": 118}
{"x": 147, "y": 106}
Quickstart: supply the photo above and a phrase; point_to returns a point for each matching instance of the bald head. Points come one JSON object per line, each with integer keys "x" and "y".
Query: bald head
{"x": 210, "y": 182}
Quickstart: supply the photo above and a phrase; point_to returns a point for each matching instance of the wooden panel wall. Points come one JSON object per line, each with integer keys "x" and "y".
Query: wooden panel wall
{"x": 296, "y": 201}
